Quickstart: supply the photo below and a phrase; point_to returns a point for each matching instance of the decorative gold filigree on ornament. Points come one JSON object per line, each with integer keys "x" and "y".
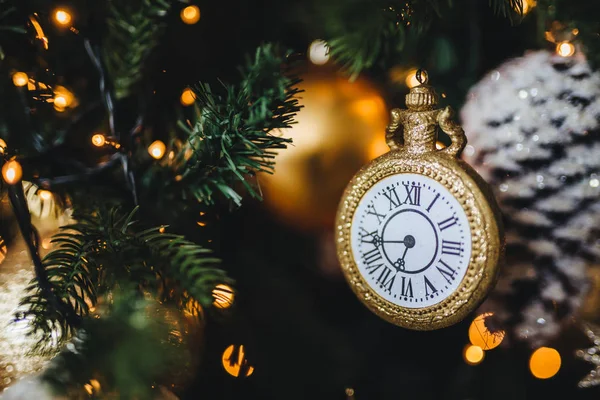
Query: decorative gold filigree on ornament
{"x": 411, "y": 136}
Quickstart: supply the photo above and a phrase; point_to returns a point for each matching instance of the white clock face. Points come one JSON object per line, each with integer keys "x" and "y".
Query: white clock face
{"x": 411, "y": 240}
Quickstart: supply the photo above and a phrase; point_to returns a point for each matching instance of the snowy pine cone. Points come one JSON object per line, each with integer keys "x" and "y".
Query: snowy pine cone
{"x": 534, "y": 134}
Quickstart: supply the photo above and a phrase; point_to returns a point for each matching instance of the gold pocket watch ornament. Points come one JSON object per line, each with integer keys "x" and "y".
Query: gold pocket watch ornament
{"x": 419, "y": 234}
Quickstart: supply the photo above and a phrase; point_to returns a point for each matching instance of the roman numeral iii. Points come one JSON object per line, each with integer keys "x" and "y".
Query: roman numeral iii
{"x": 451, "y": 248}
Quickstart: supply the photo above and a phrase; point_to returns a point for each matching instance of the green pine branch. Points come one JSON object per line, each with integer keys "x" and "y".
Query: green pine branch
{"x": 239, "y": 129}
{"x": 133, "y": 32}
{"x": 511, "y": 9}
{"x": 98, "y": 252}
{"x": 122, "y": 354}
{"x": 360, "y": 33}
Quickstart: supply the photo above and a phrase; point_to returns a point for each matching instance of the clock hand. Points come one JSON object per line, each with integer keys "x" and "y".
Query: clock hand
{"x": 409, "y": 242}
{"x": 404, "y": 255}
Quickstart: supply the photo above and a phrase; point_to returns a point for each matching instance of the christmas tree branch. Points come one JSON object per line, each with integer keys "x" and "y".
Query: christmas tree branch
{"x": 99, "y": 251}
{"x": 51, "y": 302}
{"x": 239, "y": 127}
{"x": 123, "y": 353}
{"x": 133, "y": 31}
{"x": 360, "y": 33}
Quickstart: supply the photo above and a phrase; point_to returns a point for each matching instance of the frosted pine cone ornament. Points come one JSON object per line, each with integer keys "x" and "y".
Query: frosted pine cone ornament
{"x": 534, "y": 135}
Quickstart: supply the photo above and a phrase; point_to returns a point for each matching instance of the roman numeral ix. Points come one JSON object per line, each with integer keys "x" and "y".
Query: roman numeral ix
{"x": 369, "y": 237}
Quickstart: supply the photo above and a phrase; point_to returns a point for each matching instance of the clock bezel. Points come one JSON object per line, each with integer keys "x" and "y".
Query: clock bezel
{"x": 485, "y": 224}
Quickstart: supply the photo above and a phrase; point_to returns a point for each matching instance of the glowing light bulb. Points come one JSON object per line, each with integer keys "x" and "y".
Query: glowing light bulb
{"x": 60, "y": 101}
{"x": 411, "y": 79}
{"x": 528, "y": 5}
{"x": 190, "y": 15}
{"x": 479, "y": 335}
{"x": 157, "y": 149}
{"x": 20, "y": 79}
{"x": 62, "y": 17}
{"x": 234, "y": 366}
{"x": 88, "y": 388}
{"x": 223, "y": 295}
{"x": 187, "y": 97}
{"x": 565, "y": 49}
{"x": 3, "y": 250}
{"x": 46, "y": 243}
{"x": 2, "y": 146}
{"x": 318, "y": 52}
{"x": 62, "y": 96}
{"x": 12, "y": 172}
{"x": 98, "y": 140}
{"x": 45, "y": 194}
{"x": 473, "y": 355}
{"x": 544, "y": 362}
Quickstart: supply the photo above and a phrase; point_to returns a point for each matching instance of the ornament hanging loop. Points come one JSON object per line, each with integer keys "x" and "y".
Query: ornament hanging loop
{"x": 422, "y": 76}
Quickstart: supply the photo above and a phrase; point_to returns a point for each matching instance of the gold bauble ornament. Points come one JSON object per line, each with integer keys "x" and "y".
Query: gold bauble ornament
{"x": 235, "y": 362}
{"x": 481, "y": 336}
{"x": 16, "y": 273}
{"x": 337, "y": 132}
{"x": 418, "y": 233}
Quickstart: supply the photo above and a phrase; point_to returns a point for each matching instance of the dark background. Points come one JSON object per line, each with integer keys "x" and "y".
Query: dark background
{"x": 305, "y": 333}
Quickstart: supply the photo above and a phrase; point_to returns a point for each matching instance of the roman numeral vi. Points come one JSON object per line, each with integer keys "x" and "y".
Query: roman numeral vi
{"x": 407, "y": 289}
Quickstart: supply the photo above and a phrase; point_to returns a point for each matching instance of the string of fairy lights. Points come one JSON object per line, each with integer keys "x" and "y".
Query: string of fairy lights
{"x": 233, "y": 359}
{"x": 544, "y": 363}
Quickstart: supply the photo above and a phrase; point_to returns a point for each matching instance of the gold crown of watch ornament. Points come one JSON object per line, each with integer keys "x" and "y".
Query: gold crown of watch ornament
{"x": 419, "y": 234}
{"x": 421, "y": 97}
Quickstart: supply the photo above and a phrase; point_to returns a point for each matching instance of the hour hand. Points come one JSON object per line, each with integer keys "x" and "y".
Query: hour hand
{"x": 409, "y": 241}
{"x": 400, "y": 264}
